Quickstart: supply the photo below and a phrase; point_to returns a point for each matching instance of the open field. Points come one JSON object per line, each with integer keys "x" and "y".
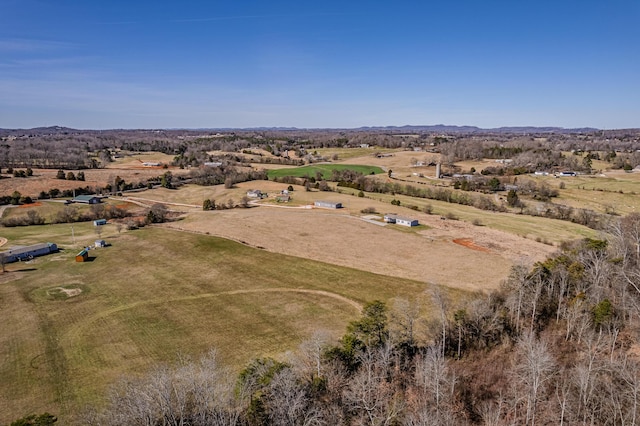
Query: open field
{"x": 45, "y": 179}
{"x": 342, "y": 236}
{"x": 135, "y": 160}
{"x": 348, "y": 153}
{"x": 70, "y": 329}
{"x": 324, "y": 169}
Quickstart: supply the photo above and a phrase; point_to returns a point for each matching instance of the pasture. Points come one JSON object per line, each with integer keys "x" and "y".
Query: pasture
{"x": 72, "y": 329}
{"x": 324, "y": 170}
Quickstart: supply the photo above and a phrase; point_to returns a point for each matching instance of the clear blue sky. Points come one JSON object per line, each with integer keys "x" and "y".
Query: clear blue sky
{"x": 193, "y": 64}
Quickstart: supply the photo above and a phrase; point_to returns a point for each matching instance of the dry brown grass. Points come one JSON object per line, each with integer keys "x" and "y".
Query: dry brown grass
{"x": 45, "y": 179}
{"x": 337, "y": 237}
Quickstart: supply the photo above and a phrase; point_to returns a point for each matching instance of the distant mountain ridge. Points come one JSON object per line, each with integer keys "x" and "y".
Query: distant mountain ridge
{"x": 437, "y": 128}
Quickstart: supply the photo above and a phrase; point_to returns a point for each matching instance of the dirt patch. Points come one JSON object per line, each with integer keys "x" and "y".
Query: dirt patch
{"x": 468, "y": 243}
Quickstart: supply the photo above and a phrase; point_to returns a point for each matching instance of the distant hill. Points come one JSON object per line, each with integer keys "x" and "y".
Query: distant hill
{"x": 443, "y": 128}
{"x": 437, "y": 128}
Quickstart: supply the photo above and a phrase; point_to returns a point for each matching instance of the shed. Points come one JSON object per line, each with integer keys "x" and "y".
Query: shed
{"x": 99, "y": 222}
{"x": 328, "y": 204}
{"x": 82, "y": 256}
{"x": 86, "y": 199}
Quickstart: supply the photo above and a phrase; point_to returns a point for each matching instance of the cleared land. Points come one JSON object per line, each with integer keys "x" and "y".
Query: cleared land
{"x": 70, "y": 329}
{"x": 323, "y": 169}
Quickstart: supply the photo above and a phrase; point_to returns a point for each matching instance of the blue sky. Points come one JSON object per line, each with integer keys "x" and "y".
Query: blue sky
{"x": 194, "y": 64}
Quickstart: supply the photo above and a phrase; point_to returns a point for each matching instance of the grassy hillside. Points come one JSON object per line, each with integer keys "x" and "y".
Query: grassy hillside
{"x": 324, "y": 169}
{"x": 70, "y": 329}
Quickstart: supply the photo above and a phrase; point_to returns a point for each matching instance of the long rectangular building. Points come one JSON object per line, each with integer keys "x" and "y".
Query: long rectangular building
{"x": 17, "y": 253}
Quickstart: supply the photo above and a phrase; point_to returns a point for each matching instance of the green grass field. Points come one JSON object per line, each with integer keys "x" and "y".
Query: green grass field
{"x": 152, "y": 296}
{"x": 346, "y": 153}
{"x": 324, "y": 169}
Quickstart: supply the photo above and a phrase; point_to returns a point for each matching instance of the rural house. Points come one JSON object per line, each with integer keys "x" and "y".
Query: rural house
{"x": 400, "y": 220}
{"x": 328, "y": 204}
{"x": 406, "y": 221}
{"x": 254, "y": 193}
{"x": 17, "y": 253}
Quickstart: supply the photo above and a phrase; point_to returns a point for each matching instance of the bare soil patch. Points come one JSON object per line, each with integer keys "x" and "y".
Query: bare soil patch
{"x": 27, "y": 206}
{"x": 468, "y": 243}
{"x": 67, "y": 292}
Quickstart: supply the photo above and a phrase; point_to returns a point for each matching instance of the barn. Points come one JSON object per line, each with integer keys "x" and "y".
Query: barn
{"x": 328, "y": 204}
{"x": 17, "y": 253}
{"x": 86, "y": 199}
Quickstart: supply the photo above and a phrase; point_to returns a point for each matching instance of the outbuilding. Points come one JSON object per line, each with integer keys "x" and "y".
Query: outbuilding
{"x": 82, "y": 256}
{"x": 17, "y": 253}
{"x": 100, "y": 243}
{"x": 328, "y": 204}
{"x": 99, "y": 222}
{"x": 86, "y": 199}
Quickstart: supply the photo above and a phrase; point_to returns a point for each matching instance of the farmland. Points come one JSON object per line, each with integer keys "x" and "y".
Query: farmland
{"x": 323, "y": 170}
{"x": 156, "y": 294}
{"x": 255, "y": 278}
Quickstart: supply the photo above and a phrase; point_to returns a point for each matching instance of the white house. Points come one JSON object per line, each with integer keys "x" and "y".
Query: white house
{"x": 254, "y": 193}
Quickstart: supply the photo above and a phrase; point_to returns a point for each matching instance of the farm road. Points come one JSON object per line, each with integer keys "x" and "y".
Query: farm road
{"x": 146, "y": 202}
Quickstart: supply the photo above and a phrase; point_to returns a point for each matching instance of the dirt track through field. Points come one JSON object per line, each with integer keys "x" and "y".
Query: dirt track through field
{"x": 76, "y": 331}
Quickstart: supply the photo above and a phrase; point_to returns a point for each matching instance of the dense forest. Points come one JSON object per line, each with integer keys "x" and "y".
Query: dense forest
{"x": 556, "y": 344}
